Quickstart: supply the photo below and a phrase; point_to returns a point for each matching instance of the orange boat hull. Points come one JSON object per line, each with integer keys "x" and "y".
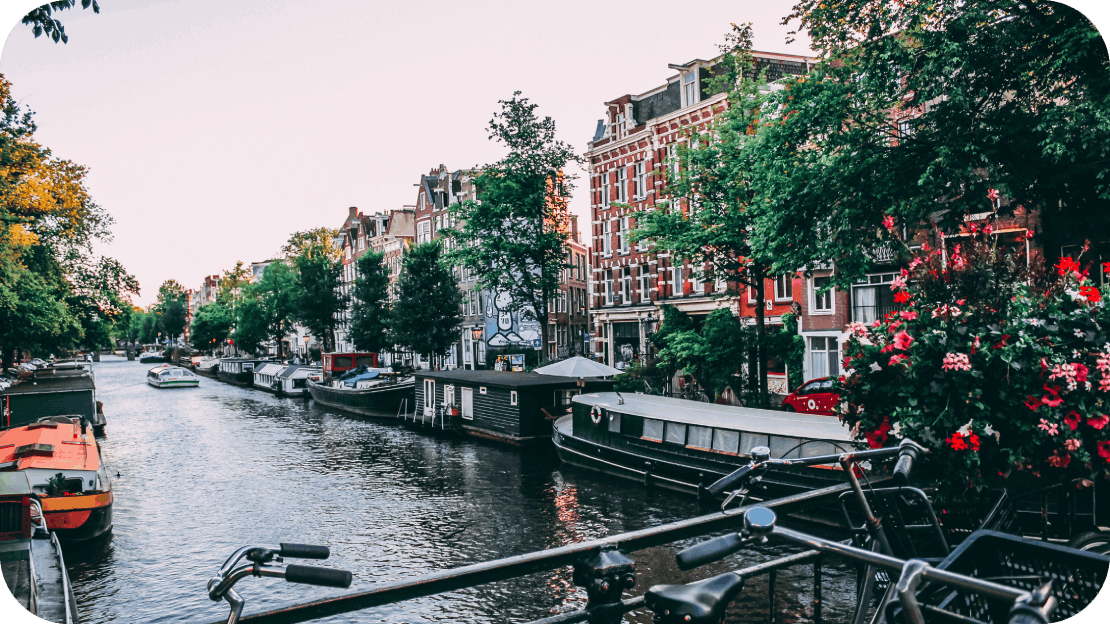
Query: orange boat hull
{"x": 78, "y": 518}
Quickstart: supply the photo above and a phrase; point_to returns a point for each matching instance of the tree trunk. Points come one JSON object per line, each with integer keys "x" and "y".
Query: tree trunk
{"x": 761, "y": 332}
{"x": 8, "y": 354}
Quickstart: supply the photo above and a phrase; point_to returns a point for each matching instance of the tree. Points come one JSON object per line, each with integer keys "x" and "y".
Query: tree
{"x": 278, "y": 292}
{"x": 316, "y": 260}
{"x": 231, "y": 282}
{"x": 42, "y": 20}
{"x": 709, "y": 219}
{"x": 426, "y": 315}
{"x": 514, "y": 235}
{"x": 370, "y": 315}
{"x": 172, "y": 308}
{"x": 211, "y": 326}
{"x": 918, "y": 108}
{"x": 251, "y": 325}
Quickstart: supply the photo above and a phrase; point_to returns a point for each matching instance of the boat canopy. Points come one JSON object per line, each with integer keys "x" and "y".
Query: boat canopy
{"x": 362, "y": 373}
{"x": 269, "y": 369}
{"x": 770, "y": 422}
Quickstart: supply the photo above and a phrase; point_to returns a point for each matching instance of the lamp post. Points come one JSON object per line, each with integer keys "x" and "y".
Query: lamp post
{"x": 476, "y": 333}
{"x": 649, "y": 329}
{"x": 305, "y": 347}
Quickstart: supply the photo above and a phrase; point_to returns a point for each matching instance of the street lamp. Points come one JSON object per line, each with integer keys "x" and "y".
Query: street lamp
{"x": 476, "y": 333}
{"x": 649, "y": 329}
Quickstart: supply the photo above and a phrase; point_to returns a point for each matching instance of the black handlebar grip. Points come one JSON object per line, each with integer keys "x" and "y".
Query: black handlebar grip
{"x": 304, "y": 551}
{"x": 709, "y": 551}
{"x": 311, "y": 575}
{"x": 729, "y": 482}
{"x": 904, "y": 465}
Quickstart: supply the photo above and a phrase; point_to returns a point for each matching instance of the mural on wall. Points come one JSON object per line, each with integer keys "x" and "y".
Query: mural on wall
{"x": 505, "y": 328}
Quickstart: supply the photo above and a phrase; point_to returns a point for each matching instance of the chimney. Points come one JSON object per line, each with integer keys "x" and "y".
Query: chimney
{"x": 574, "y": 228}
{"x": 353, "y": 212}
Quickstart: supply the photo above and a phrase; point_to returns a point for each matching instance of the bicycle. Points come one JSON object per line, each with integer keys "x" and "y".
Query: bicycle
{"x": 220, "y": 587}
{"x": 704, "y": 602}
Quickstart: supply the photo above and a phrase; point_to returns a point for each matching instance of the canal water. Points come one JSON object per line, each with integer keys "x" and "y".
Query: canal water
{"x": 200, "y": 472}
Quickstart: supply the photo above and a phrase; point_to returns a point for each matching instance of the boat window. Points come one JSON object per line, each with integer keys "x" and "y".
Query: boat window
{"x": 176, "y": 372}
{"x": 676, "y": 433}
{"x": 781, "y": 447}
{"x": 614, "y": 422}
{"x": 248, "y": 366}
{"x": 343, "y": 361}
{"x": 653, "y": 430}
{"x": 700, "y": 437}
{"x": 725, "y": 440}
{"x": 563, "y": 398}
{"x": 429, "y": 393}
{"x": 750, "y": 440}
{"x": 299, "y": 383}
{"x": 813, "y": 449}
{"x": 513, "y": 399}
{"x": 365, "y": 360}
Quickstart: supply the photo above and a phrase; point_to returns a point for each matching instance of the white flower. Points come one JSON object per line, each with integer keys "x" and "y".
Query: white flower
{"x": 989, "y": 430}
{"x": 1079, "y": 333}
{"x": 966, "y": 429}
{"x": 864, "y": 341}
{"x": 896, "y": 430}
{"x": 875, "y": 367}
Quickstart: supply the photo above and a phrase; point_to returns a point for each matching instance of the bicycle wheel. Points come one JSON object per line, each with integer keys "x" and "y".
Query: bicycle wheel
{"x": 1092, "y": 541}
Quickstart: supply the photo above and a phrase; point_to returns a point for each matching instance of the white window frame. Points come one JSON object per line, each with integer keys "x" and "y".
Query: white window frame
{"x": 786, "y": 282}
{"x": 690, "y": 88}
{"x": 676, "y": 281}
{"x": 605, "y": 183}
{"x": 641, "y": 181}
{"x": 813, "y": 296}
{"x": 622, "y": 185}
{"x": 623, "y": 235}
{"x": 514, "y": 398}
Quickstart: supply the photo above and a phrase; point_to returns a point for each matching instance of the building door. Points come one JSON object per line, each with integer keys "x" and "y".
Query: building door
{"x": 429, "y": 395}
{"x": 468, "y": 403}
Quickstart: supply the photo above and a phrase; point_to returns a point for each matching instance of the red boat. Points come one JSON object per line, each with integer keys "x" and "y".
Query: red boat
{"x": 61, "y": 459}
{"x": 336, "y": 364}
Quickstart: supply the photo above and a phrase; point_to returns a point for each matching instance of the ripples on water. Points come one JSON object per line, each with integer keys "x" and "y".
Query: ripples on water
{"x": 204, "y": 471}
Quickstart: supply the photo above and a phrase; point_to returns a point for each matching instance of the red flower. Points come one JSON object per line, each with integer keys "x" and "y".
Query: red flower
{"x": 973, "y": 441}
{"x": 902, "y": 340}
{"x": 956, "y": 441}
{"x": 1066, "y": 265}
{"x": 992, "y": 194}
{"x": 1104, "y": 450}
{"x": 1032, "y": 402}
{"x": 901, "y": 296}
{"x": 1055, "y": 399}
{"x": 1090, "y": 293}
{"x": 876, "y": 438}
{"x": 1073, "y": 419}
{"x": 1098, "y": 421}
{"x": 1081, "y": 372}
{"x": 1059, "y": 460}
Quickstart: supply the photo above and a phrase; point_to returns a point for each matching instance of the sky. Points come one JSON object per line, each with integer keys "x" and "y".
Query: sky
{"x": 213, "y": 130}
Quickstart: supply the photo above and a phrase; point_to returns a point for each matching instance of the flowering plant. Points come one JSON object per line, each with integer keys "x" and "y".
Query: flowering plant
{"x": 1000, "y": 367}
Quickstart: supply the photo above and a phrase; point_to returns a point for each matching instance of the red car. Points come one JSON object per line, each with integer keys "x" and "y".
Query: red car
{"x": 816, "y": 396}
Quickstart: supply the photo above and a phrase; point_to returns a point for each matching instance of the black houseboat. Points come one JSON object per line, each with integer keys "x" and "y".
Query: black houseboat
{"x": 238, "y": 371}
{"x": 687, "y": 445}
{"x": 60, "y": 391}
{"x": 508, "y": 407}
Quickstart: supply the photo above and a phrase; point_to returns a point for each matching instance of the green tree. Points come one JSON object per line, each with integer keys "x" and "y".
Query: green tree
{"x": 279, "y": 295}
{"x": 708, "y": 220}
{"x": 150, "y": 327}
{"x": 312, "y": 242}
{"x": 317, "y": 262}
{"x": 917, "y": 109}
{"x": 42, "y": 20}
{"x": 172, "y": 308}
{"x": 370, "y": 315}
{"x": 211, "y": 326}
{"x": 426, "y": 315}
{"x": 514, "y": 235}
{"x": 252, "y": 328}
{"x": 231, "y": 282}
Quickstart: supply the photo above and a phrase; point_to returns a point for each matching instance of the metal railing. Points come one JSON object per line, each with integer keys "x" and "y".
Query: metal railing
{"x": 599, "y": 566}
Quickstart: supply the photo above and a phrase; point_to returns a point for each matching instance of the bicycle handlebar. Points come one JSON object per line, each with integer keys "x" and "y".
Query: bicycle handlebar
{"x": 730, "y": 481}
{"x": 326, "y": 577}
{"x": 908, "y": 450}
{"x": 304, "y": 551}
{"x": 710, "y": 551}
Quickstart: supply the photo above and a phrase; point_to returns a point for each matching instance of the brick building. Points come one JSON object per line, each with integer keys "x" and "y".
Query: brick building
{"x": 627, "y": 157}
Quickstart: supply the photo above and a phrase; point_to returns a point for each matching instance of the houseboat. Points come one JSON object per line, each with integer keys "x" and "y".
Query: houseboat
{"x": 61, "y": 460}
{"x": 516, "y": 408}
{"x": 169, "y": 376}
{"x": 64, "y": 391}
{"x": 687, "y": 445}
{"x": 238, "y": 371}
{"x": 30, "y": 555}
{"x": 377, "y": 392}
{"x": 288, "y": 380}
{"x": 335, "y": 364}
{"x": 206, "y": 366}
{"x": 152, "y": 354}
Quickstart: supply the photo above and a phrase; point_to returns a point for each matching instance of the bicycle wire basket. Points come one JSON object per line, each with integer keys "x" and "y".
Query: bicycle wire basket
{"x": 1016, "y": 561}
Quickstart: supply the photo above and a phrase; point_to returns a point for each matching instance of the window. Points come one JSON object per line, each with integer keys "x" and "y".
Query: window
{"x": 468, "y": 403}
{"x": 448, "y": 395}
{"x": 624, "y": 235}
{"x": 676, "y": 280}
{"x": 429, "y": 393}
{"x": 626, "y": 285}
{"x": 645, "y": 283}
{"x": 513, "y": 399}
{"x": 690, "y": 89}
{"x": 700, "y": 437}
{"x": 824, "y": 356}
{"x": 726, "y": 441}
{"x": 653, "y": 430}
{"x": 622, "y": 184}
{"x": 605, "y": 190}
{"x": 822, "y": 301}
{"x": 641, "y": 181}
{"x": 608, "y": 287}
{"x": 672, "y": 157}
{"x": 873, "y": 299}
{"x": 784, "y": 288}
{"x": 614, "y": 422}
{"x": 905, "y": 129}
{"x": 676, "y": 433}
{"x": 606, "y": 240}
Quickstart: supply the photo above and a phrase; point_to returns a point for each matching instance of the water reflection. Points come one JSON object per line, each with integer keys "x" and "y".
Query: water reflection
{"x": 206, "y": 470}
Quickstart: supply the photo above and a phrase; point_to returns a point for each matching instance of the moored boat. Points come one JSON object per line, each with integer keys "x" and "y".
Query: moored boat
{"x": 288, "y": 380}
{"x": 59, "y": 391}
{"x": 379, "y": 395}
{"x": 169, "y": 376}
{"x": 152, "y": 355}
{"x": 238, "y": 371}
{"x": 61, "y": 460}
{"x": 30, "y": 555}
{"x": 687, "y": 445}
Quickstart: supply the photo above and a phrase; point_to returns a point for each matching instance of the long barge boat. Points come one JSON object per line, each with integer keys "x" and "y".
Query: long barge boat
{"x": 238, "y": 371}
{"x": 379, "y": 398}
{"x": 687, "y": 445}
{"x": 62, "y": 390}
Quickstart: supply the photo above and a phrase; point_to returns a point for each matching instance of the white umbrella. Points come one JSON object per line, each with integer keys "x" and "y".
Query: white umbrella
{"x": 579, "y": 366}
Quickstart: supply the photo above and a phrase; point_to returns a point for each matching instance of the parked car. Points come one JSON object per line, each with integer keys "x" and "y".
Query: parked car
{"x": 816, "y": 396}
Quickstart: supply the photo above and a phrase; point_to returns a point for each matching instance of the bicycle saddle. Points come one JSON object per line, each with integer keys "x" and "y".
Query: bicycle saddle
{"x": 703, "y": 602}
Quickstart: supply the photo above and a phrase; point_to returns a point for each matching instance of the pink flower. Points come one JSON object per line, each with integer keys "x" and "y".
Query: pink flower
{"x": 956, "y": 361}
{"x": 1072, "y": 444}
{"x": 899, "y": 283}
{"x": 1059, "y": 461}
{"x": 909, "y": 315}
{"x": 876, "y": 323}
{"x": 888, "y": 222}
{"x": 1049, "y": 427}
{"x": 915, "y": 262}
{"x": 987, "y": 230}
{"x": 992, "y": 194}
{"x": 899, "y": 358}
{"x": 902, "y": 340}
{"x": 1098, "y": 421}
